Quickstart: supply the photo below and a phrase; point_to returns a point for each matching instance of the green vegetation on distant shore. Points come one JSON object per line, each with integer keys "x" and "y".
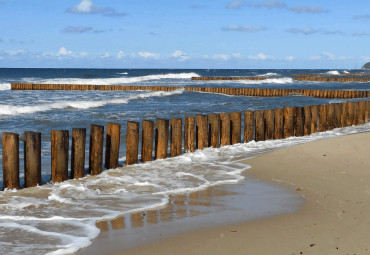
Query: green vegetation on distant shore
{"x": 366, "y": 66}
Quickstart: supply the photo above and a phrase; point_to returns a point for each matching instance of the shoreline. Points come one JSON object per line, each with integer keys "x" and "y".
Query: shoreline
{"x": 332, "y": 175}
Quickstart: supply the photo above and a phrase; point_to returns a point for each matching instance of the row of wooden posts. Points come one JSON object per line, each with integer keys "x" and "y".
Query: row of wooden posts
{"x": 213, "y": 130}
{"x": 318, "y": 77}
{"x": 229, "y": 91}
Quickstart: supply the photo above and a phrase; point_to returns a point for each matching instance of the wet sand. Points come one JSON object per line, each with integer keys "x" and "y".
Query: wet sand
{"x": 334, "y": 177}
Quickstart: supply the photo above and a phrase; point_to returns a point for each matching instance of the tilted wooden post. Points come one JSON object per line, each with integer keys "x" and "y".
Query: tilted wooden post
{"x": 147, "y": 140}
{"x": 248, "y": 126}
{"x": 78, "y": 152}
{"x": 322, "y": 118}
{"x": 176, "y": 136}
{"x": 59, "y": 155}
{"x": 298, "y": 129}
{"x": 10, "y": 160}
{"x": 189, "y": 134}
{"x": 225, "y": 134}
{"x": 201, "y": 131}
{"x": 112, "y": 144}
{"x": 96, "y": 149}
{"x": 161, "y": 138}
{"x": 132, "y": 142}
{"x": 307, "y": 120}
{"x": 214, "y": 130}
{"x": 330, "y": 117}
{"x": 32, "y": 159}
{"x": 235, "y": 123}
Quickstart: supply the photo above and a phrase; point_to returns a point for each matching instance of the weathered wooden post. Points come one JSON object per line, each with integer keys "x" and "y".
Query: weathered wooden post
{"x": 268, "y": 116}
{"x": 337, "y": 113}
{"x": 288, "y": 122}
{"x": 278, "y": 124}
{"x": 132, "y": 142}
{"x": 96, "y": 149}
{"x": 259, "y": 126}
{"x": 112, "y": 143}
{"x": 322, "y": 118}
{"x": 202, "y": 131}
{"x": 307, "y": 120}
{"x": 330, "y": 117}
{"x": 161, "y": 138}
{"x": 214, "y": 130}
{"x": 248, "y": 126}
{"x": 189, "y": 134}
{"x": 298, "y": 129}
{"x": 78, "y": 152}
{"x": 32, "y": 159}
{"x": 10, "y": 160}
{"x": 147, "y": 141}
{"x": 349, "y": 114}
{"x": 361, "y": 107}
{"x": 176, "y": 136}
{"x": 355, "y": 113}
{"x": 235, "y": 126}
{"x": 59, "y": 155}
{"x": 225, "y": 129}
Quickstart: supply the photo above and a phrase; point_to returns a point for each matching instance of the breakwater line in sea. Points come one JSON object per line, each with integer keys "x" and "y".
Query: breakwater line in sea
{"x": 176, "y": 136}
{"x": 318, "y": 93}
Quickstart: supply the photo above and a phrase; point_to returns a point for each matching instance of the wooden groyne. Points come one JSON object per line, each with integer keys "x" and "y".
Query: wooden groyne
{"x": 350, "y": 77}
{"x": 170, "y": 138}
{"x": 318, "y": 93}
{"x": 228, "y": 78}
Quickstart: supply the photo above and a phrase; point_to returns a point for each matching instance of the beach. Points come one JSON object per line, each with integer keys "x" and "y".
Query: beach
{"x": 332, "y": 175}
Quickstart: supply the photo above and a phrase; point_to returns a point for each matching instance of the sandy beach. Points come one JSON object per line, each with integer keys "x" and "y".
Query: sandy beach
{"x": 333, "y": 176}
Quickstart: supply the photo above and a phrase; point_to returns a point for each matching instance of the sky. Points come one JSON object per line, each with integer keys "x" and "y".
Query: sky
{"x": 243, "y": 34}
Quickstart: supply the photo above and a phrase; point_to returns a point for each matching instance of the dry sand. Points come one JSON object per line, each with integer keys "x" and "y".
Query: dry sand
{"x": 334, "y": 177}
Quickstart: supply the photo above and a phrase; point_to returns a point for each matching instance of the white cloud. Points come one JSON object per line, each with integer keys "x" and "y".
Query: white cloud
{"x": 224, "y": 57}
{"x": 88, "y": 7}
{"x": 328, "y": 55}
{"x": 360, "y": 34}
{"x": 268, "y": 4}
{"x": 64, "y": 52}
{"x": 121, "y": 54}
{"x": 106, "y": 55}
{"x": 307, "y": 9}
{"x": 243, "y": 28}
{"x": 235, "y": 5}
{"x": 147, "y": 55}
{"x": 180, "y": 55}
{"x": 306, "y": 30}
{"x": 261, "y": 56}
{"x": 366, "y": 58}
{"x": 290, "y": 58}
{"x": 76, "y": 30}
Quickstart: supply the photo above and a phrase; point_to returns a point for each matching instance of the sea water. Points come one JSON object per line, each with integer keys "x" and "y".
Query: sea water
{"x": 60, "y": 218}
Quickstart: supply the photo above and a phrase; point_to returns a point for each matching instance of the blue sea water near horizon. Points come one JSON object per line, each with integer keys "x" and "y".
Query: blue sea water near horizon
{"x": 60, "y": 218}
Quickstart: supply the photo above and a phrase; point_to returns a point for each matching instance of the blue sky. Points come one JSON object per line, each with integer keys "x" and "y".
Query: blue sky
{"x": 185, "y": 33}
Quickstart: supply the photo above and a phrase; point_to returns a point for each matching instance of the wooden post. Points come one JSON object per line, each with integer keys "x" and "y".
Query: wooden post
{"x": 322, "y": 118}
{"x": 288, "y": 122}
{"x": 248, "y": 126}
{"x": 235, "y": 125}
{"x": 202, "y": 131}
{"x": 59, "y": 155}
{"x": 268, "y": 116}
{"x": 298, "y": 129}
{"x": 350, "y": 114}
{"x": 78, "y": 152}
{"x": 32, "y": 159}
{"x": 214, "y": 130}
{"x": 132, "y": 142}
{"x": 147, "y": 141}
{"x": 307, "y": 120}
{"x": 96, "y": 149}
{"x": 189, "y": 134}
{"x": 225, "y": 129}
{"x": 367, "y": 110}
{"x": 314, "y": 118}
{"x": 361, "y": 107}
{"x": 279, "y": 124}
{"x": 10, "y": 160}
{"x": 259, "y": 126}
{"x": 112, "y": 144}
{"x": 330, "y": 117}
{"x": 176, "y": 136}
{"x": 161, "y": 138}
{"x": 337, "y": 113}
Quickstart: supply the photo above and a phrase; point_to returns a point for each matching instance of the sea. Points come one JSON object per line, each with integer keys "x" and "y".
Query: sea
{"x": 59, "y": 218}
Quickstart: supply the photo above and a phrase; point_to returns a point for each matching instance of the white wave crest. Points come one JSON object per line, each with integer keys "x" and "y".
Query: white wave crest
{"x": 16, "y": 110}
{"x": 284, "y": 80}
{"x": 113, "y": 81}
{"x": 268, "y": 75}
{"x": 5, "y": 86}
{"x": 333, "y": 72}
